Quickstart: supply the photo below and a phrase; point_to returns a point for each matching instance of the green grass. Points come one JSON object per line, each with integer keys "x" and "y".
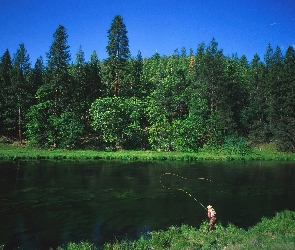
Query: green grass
{"x": 271, "y": 233}
{"x": 16, "y": 152}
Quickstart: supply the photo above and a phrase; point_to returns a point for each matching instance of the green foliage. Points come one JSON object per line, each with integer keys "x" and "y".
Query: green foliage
{"x": 255, "y": 114}
{"x": 135, "y": 75}
{"x": 235, "y": 144}
{"x": 78, "y": 246}
{"x": 37, "y": 75}
{"x": 187, "y": 134}
{"x": 160, "y": 135}
{"x": 119, "y": 122}
{"x": 45, "y": 129}
{"x": 94, "y": 87}
{"x": 39, "y": 128}
{"x": 85, "y": 83}
{"x": 167, "y": 105}
{"x": 69, "y": 129}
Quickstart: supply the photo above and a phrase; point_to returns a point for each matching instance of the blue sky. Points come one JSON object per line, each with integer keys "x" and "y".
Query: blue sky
{"x": 239, "y": 26}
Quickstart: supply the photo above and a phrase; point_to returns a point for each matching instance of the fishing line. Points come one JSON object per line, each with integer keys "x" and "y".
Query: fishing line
{"x": 180, "y": 189}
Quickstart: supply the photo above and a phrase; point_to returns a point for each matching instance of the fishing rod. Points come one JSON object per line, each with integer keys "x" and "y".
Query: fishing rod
{"x": 180, "y": 189}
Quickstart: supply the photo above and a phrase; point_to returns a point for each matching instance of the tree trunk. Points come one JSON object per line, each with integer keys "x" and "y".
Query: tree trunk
{"x": 116, "y": 85}
{"x": 19, "y": 126}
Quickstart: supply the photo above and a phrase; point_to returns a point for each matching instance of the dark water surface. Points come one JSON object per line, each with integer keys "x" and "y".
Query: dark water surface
{"x": 47, "y": 204}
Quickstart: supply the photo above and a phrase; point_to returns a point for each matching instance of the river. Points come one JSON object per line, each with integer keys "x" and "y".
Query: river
{"x": 48, "y": 204}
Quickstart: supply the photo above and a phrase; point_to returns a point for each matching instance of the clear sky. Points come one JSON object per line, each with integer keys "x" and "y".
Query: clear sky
{"x": 239, "y": 26}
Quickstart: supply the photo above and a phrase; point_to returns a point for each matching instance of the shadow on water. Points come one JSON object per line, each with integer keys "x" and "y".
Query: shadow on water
{"x": 48, "y": 204}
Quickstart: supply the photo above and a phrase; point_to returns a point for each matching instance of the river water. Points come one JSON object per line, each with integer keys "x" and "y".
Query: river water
{"x": 48, "y": 204}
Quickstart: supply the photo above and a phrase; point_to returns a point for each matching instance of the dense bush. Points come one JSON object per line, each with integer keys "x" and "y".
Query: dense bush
{"x": 120, "y": 122}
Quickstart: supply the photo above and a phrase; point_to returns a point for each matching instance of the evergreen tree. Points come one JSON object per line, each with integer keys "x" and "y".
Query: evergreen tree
{"x": 5, "y": 85}
{"x": 52, "y": 125}
{"x": 255, "y": 114}
{"x": 214, "y": 84}
{"x": 284, "y": 130}
{"x": 268, "y": 57}
{"x": 152, "y": 72}
{"x": 79, "y": 83}
{"x": 136, "y": 69}
{"x": 37, "y": 76}
{"x": 118, "y": 51}
{"x": 275, "y": 95}
{"x": 19, "y": 96}
{"x": 58, "y": 87}
{"x": 95, "y": 88}
{"x": 86, "y": 84}
{"x": 236, "y": 71}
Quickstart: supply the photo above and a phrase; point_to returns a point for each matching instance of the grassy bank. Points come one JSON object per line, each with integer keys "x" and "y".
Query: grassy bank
{"x": 271, "y": 233}
{"x": 17, "y": 152}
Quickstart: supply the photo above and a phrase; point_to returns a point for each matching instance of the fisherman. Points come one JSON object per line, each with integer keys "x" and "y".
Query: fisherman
{"x": 211, "y": 216}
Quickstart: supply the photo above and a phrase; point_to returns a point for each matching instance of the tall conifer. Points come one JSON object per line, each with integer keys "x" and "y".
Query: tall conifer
{"x": 118, "y": 51}
{"x": 19, "y": 93}
{"x": 5, "y": 85}
{"x": 58, "y": 59}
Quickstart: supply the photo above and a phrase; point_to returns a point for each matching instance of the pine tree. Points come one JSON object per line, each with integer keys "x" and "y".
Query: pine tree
{"x": 19, "y": 94}
{"x": 256, "y": 113}
{"x": 118, "y": 51}
{"x": 37, "y": 76}
{"x": 5, "y": 85}
{"x": 51, "y": 121}
{"x": 268, "y": 57}
{"x": 58, "y": 83}
{"x": 135, "y": 72}
{"x": 214, "y": 84}
{"x": 285, "y": 108}
{"x": 276, "y": 83}
{"x": 94, "y": 88}
{"x": 78, "y": 83}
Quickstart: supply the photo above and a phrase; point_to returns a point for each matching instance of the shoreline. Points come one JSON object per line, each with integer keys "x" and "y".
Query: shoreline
{"x": 17, "y": 152}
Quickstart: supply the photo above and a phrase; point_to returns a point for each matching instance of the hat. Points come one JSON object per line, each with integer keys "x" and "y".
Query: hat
{"x": 209, "y": 206}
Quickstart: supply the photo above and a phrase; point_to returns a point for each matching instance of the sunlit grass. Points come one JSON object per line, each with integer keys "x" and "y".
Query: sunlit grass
{"x": 8, "y": 152}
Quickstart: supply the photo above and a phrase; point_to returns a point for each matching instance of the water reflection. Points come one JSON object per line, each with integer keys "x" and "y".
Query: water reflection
{"x": 47, "y": 204}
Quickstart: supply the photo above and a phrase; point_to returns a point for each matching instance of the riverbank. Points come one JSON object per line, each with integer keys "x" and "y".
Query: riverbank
{"x": 19, "y": 152}
{"x": 271, "y": 233}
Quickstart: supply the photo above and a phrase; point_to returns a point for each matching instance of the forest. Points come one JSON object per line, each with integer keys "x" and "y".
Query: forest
{"x": 187, "y": 101}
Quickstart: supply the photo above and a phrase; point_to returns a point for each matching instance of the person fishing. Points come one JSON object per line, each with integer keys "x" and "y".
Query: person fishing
{"x": 211, "y": 216}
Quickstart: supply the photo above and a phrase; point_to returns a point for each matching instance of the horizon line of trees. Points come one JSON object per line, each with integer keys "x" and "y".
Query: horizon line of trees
{"x": 182, "y": 102}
